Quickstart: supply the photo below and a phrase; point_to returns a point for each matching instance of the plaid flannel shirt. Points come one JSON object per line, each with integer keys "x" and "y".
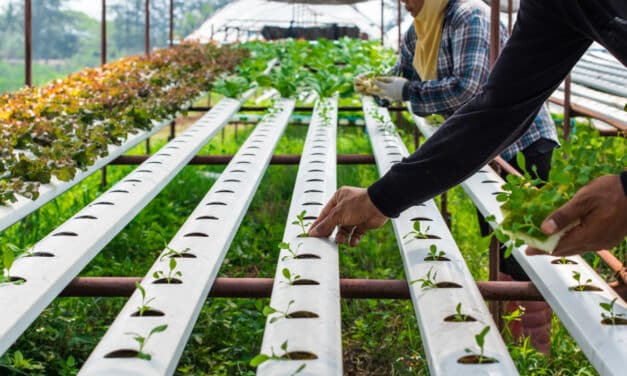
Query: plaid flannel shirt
{"x": 463, "y": 68}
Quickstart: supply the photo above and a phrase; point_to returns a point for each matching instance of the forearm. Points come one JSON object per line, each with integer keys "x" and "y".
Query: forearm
{"x": 441, "y": 96}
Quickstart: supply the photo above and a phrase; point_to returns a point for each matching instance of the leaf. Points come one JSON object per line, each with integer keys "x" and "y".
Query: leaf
{"x": 7, "y": 258}
{"x": 159, "y": 329}
{"x": 257, "y": 360}
{"x": 144, "y": 356}
{"x": 284, "y": 245}
{"x": 142, "y": 291}
{"x": 267, "y": 310}
{"x": 284, "y": 346}
{"x": 286, "y": 273}
{"x": 480, "y": 338}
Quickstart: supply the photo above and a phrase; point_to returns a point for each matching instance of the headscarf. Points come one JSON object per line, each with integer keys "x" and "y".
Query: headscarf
{"x": 428, "y": 24}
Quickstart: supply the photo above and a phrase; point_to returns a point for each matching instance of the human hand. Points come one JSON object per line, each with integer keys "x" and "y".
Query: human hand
{"x": 350, "y": 208}
{"x": 601, "y": 209}
{"x": 362, "y": 84}
{"x": 390, "y": 87}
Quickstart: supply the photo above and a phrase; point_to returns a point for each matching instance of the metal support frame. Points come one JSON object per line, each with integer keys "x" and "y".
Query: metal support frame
{"x": 495, "y": 35}
{"x": 103, "y": 33}
{"x": 172, "y": 23}
{"x": 567, "y": 109}
{"x": 290, "y": 159}
{"x": 147, "y": 28}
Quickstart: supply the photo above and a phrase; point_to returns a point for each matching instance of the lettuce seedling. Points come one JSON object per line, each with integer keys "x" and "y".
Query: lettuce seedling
{"x": 144, "y": 304}
{"x": 268, "y": 310}
{"x": 292, "y": 252}
{"x": 172, "y": 272}
{"x": 141, "y": 340}
{"x": 480, "y": 340}
{"x": 261, "y": 358}
{"x": 580, "y": 286}
{"x": 428, "y": 281}
{"x": 291, "y": 278}
{"x": 300, "y": 221}
{"x": 417, "y": 233}
{"x": 609, "y": 314}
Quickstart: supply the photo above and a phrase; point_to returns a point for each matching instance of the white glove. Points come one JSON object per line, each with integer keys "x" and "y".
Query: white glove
{"x": 390, "y": 87}
{"x": 359, "y": 82}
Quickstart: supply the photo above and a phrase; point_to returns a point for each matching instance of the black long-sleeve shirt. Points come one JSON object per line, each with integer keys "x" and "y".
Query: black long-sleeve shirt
{"x": 548, "y": 39}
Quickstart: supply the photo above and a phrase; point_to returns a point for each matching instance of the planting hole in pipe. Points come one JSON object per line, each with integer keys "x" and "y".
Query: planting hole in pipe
{"x": 144, "y": 171}
{"x": 315, "y": 180}
{"x": 302, "y": 315}
{"x": 240, "y": 171}
{"x": 307, "y": 256}
{"x": 172, "y": 147}
{"x": 253, "y": 147}
{"x": 313, "y": 191}
{"x": 447, "y": 285}
{"x": 65, "y": 233}
{"x": 421, "y": 219}
{"x": 476, "y": 359}
{"x": 154, "y": 162}
{"x": 462, "y": 318}
{"x": 497, "y": 193}
{"x": 167, "y": 281}
{"x": 316, "y": 162}
{"x": 196, "y": 235}
{"x": 216, "y": 203}
{"x": 15, "y": 280}
{"x": 164, "y": 155}
{"x": 617, "y": 321}
{"x": 243, "y": 162}
{"x": 305, "y": 282}
{"x": 183, "y": 255}
{"x": 104, "y": 203}
{"x": 118, "y": 191}
{"x": 209, "y": 217}
{"x": 122, "y": 354}
{"x": 315, "y": 170}
{"x": 149, "y": 313}
{"x": 232, "y": 181}
{"x": 583, "y": 288}
{"x": 310, "y": 218}
{"x": 132, "y": 181}
{"x": 86, "y": 217}
{"x": 39, "y": 254}
{"x": 489, "y": 181}
{"x": 437, "y": 258}
{"x": 225, "y": 191}
{"x": 563, "y": 261}
{"x": 299, "y": 355}
{"x": 317, "y": 154}
{"x": 311, "y": 203}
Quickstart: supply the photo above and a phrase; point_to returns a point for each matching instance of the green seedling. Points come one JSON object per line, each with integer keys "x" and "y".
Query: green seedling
{"x": 480, "y": 340}
{"x": 516, "y": 315}
{"x": 291, "y": 278}
{"x": 434, "y": 254}
{"x": 141, "y": 340}
{"x": 292, "y": 252}
{"x": 170, "y": 252}
{"x": 459, "y": 316}
{"x": 580, "y": 286}
{"x": 428, "y": 281}
{"x": 417, "y": 233}
{"x": 609, "y": 314}
{"x": 9, "y": 253}
{"x": 300, "y": 222}
{"x": 172, "y": 272}
{"x": 268, "y": 310}
{"x": 563, "y": 260}
{"x": 261, "y": 358}
{"x": 144, "y": 305}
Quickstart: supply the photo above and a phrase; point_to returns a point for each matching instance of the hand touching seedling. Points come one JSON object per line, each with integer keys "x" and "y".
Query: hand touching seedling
{"x": 300, "y": 222}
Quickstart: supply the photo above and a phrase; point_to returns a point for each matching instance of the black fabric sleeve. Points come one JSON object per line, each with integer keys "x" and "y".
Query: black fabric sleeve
{"x": 623, "y": 180}
{"x": 542, "y": 50}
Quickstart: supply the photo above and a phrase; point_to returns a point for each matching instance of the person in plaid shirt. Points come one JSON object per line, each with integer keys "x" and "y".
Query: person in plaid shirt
{"x": 461, "y": 68}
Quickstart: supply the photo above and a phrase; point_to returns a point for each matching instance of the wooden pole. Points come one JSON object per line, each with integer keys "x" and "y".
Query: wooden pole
{"x": 495, "y": 37}
{"x": 28, "y": 43}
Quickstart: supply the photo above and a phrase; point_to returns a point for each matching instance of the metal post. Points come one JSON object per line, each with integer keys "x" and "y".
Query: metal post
{"x": 103, "y": 177}
{"x": 172, "y": 23}
{"x": 147, "y": 29}
{"x": 444, "y": 209}
{"x": 510, "y": 8}
{"x": 567, "y": 108}
{"x": 494, "y": 31}
{"x": 211, "y": 35}
{"x": 103, "y": 34}
{"x": 382, "y": 27}
{"x": 28, "y": 43}
{"x": 172, "y": 130}
{"x": 398, "y": 23}
{"x": 495, "y": 307}
{"x": 148, "y": 146}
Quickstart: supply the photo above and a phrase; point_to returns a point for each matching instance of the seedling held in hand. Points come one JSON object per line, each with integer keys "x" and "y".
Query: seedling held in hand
{"x": 268, "y": 310}
{"x": 609, "y": 315}
{"x": 300, "y": 221}
{"x": 144, "y": 306}
{"x": 141, "y": 341}
{"x": 172, "y": 272}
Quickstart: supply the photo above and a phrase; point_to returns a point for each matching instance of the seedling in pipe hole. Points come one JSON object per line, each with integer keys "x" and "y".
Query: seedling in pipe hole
{"x": 428, "y": 281}
{"x": 459, "y": 316}
{"x": 291, "y": 278}
{"x": 609, "y": 316}
{"x": 585, "y": 286}
{"x": 300, "y": 221}
{"x": 144, "y": 306}
{"x": 480, "y": 358}
{"x": 170, "y": 252}
{"x": 172, "y": 273}
{"x": 261, "y": 358}
{"x": 268, "y": 310}
{"x": 141, "y": 341}
{"x": 435, "y": 255}
{"x": 288, "y": 247}
{"x": 417, "y": 233}
{"x": 9, "y": 253}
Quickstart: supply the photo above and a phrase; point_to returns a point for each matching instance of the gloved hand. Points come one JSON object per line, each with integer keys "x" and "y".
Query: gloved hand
{"x": 390, "y": 87}
{"x": 360, "y": 83}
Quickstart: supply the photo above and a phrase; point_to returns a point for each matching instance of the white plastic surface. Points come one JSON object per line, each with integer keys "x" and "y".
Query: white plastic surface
{"x": 605, "y": 346}
{"x": 610, "y": 111}
{"x": 444, "y": 342}
{"x": 207, "y": 234}
{"x": 315, "y": 184}
{"x": 79, "y": 239}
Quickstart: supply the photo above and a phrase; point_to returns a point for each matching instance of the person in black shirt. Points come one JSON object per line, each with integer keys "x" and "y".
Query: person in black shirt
{"x": 548, "y": 39}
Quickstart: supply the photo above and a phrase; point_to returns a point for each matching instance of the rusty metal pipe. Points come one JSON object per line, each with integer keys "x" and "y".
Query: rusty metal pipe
{"x": 290, "y": 159}
{"x": 296, "y": 109}
{"x": 591, "y": 113}
{"x": 262, "y": 288}
{"x": 495, "y": 36}
{"x": 615, "y": 264}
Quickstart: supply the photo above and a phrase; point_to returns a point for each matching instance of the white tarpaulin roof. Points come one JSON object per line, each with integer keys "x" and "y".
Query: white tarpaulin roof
{"x": 252, "y": 15}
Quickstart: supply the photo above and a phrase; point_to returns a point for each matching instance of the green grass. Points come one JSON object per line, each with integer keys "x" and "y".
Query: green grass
{"x": 380, "y": 337}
